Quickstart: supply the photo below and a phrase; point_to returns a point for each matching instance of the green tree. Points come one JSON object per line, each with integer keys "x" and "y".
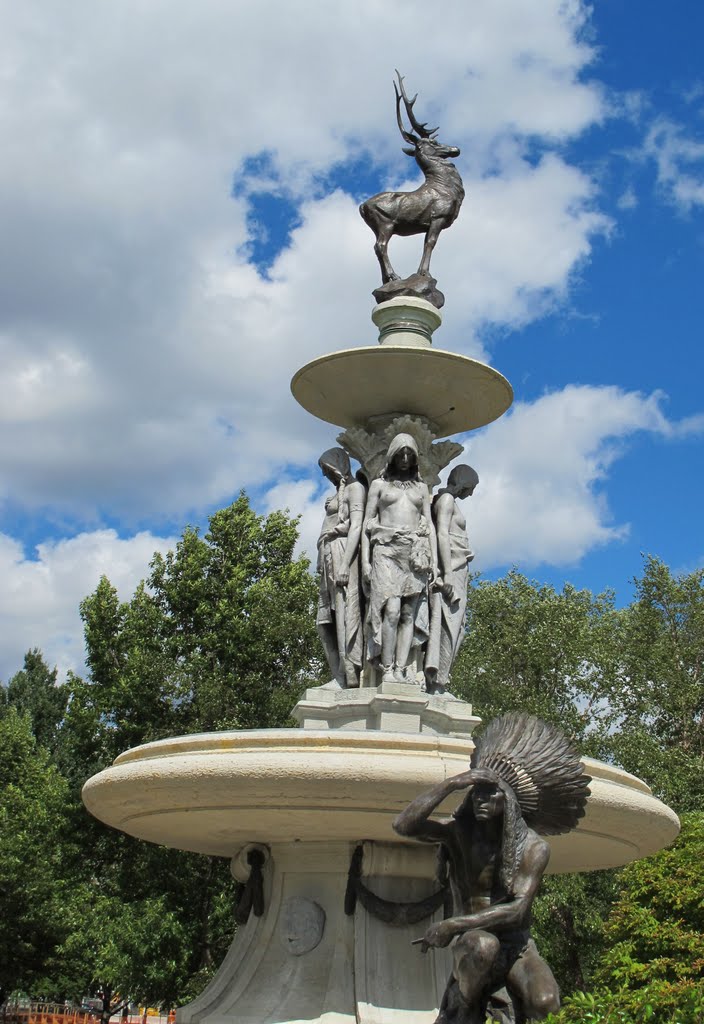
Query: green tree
{"x": 569, "y": 924}
{"x": 34, "y": 690}
{"x": 35, "y": 858}
{"x": 221, "y": 635}
{"x": 659, "y": 697}
{"x": 652, "y": 966}
{"x": 551, "y": 653}
{"x": 149, "y": 925}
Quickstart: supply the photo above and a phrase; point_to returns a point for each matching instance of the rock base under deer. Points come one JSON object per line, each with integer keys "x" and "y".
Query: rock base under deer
{"x": 418, "y": 286}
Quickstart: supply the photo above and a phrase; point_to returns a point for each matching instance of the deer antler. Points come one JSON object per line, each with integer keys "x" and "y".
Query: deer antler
{"x": 422, "y": 129}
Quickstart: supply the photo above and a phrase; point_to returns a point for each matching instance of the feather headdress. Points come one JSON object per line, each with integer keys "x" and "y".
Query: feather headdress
{"x": 542, "y": 768}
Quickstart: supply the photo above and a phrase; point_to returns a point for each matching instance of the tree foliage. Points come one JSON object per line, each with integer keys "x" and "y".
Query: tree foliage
{"x": 165, "y": 921}
{"x": 652, "y": 965}
{"x": 547, "y": 652}
{"x": 34, "y": 690}
{"x": 221, "y": 635}
{"x": 659, "y": 702}
{"x": 35, "y": 855}
{"x": 569, "y": 924}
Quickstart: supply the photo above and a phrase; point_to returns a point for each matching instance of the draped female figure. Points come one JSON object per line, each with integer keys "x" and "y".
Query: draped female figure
{"x": 339, "y": 618}
{"x": 448, "y": 604}
{"x": 399, "y": 560}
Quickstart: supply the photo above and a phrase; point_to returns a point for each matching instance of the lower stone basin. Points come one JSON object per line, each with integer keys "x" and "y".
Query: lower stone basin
{"x": 213, "y": 793}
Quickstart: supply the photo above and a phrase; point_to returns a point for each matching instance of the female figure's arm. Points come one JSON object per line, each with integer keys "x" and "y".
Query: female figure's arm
{"x": 355, "y": 493}
{"x": 369, "y": 514}
{"x": 443, "y": 509}
{"x": 433, "y": 539}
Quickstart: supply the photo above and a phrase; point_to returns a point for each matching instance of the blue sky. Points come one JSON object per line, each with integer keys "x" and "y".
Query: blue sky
{"x": 178, "y": 195}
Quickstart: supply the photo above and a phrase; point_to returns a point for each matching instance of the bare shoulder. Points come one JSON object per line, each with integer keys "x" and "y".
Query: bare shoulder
{"x": 374, "y": 494}
{"x": 443, "y": 504}
{"x": 356, "y": 490}
{"x": 536, "y": 852}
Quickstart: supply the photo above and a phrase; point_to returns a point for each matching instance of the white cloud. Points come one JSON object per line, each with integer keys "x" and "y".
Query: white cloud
{"x": 543, "y": 469}
{"x": 541, "y": 500}
{"x": 40, "y": 597}
{"x": 146, "y": 363}
{"x": 628, "y": 200}
{"x": 513, "y": 253}
{"x": 679, "y": 159}
{"x": 305, "y": 499}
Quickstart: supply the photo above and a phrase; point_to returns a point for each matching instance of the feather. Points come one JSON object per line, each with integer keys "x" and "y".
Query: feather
{"x": 542, "y": 768}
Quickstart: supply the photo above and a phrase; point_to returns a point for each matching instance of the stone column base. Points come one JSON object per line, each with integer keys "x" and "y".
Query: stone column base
{"x": 306, "y": 960}
{"x": 389, "y": 707}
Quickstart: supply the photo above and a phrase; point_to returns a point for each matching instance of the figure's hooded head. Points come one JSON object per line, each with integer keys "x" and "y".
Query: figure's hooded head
{"x": 462, "y": 480}
{"x": 397, "y": 445}
{"x": 337, "y": 460}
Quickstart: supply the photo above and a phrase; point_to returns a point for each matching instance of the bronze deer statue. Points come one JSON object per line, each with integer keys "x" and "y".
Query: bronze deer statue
{"x": 433, "y": 206}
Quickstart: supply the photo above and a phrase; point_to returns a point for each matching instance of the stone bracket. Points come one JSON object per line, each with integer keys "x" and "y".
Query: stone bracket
{"x": 250, "y": 861}
{"x": 369, "y": 445}
{"x": 393, "y": 912}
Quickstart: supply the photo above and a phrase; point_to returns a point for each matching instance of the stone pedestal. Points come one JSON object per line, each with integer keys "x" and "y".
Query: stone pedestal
{"x": 406, "y": 321}
{"x": 305, "y": 959}
{"x": 390, "y": 707}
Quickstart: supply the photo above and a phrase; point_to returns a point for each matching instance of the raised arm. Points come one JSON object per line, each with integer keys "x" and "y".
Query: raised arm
{"x": 415, "y": 821}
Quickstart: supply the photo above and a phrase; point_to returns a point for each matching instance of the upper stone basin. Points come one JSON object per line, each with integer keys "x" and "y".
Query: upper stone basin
{"x": 213, "y": 793}
{"x": 352, "y": 386}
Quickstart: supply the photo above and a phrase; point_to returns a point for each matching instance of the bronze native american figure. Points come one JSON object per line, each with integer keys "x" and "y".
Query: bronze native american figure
{"x": 525, "y": 780}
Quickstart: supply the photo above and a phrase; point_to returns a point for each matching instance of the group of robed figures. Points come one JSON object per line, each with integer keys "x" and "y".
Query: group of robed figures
{"x": 393, "y": 570}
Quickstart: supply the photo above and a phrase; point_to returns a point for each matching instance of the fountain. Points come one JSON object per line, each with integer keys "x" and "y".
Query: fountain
{"x": 305, "y": 815}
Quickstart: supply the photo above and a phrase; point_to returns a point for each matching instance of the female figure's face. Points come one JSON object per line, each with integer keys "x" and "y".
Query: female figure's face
{"x": 404, "y": 461}
{"x": 332, "y": 474}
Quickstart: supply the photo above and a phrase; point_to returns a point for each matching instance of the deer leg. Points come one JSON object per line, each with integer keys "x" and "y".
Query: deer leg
{"x": 380, "y": 248}
{"x": 431, "y": 237}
